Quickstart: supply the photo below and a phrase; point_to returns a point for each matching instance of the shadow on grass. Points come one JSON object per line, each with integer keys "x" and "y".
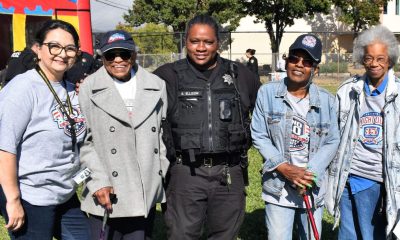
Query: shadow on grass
{"x": 253, "y": 227}
{"x": 327, "y": 232}
{"x": 159, "y": 229}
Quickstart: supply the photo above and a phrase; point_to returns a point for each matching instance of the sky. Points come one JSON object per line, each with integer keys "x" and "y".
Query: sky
{"x": 105, "y": 17}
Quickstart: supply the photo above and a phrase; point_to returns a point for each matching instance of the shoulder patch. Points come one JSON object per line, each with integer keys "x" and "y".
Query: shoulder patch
{"x": 15, "y": 54}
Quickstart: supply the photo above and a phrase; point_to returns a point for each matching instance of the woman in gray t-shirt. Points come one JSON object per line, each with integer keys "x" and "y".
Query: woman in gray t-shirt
{"x": 41, "y": 127}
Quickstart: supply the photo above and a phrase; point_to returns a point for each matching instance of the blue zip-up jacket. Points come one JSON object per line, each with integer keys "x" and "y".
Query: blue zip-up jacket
{"x": 271, "y": 129}
{"x": 348, "y": 105}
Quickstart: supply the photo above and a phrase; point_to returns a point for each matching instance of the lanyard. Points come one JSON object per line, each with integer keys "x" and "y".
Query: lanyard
{"x": 68, "y": 114}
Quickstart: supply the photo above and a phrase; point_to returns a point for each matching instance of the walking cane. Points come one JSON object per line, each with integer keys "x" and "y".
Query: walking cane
{"x": 311, "y": 216}
{"x": 113, "y": 198}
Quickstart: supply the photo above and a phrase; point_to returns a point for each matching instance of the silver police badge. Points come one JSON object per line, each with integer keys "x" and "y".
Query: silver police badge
{"x": 228, "y": 79}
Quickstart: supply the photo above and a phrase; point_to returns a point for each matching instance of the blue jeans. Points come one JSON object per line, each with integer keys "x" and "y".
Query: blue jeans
{"x": 65, "y": 221}
{"x": 280, "y": 220}
{"x": 361, "y": 216}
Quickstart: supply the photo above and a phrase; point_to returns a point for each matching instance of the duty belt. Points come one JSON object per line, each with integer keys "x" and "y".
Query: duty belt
{"x": 210, "y": 160}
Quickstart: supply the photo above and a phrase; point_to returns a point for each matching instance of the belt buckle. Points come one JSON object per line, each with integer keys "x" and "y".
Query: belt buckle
{"x": 208, "y": 162}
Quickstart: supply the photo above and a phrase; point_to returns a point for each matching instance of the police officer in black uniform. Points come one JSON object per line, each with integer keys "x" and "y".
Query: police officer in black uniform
{"x": 20, "y": 62}
{"x": 209, "y": 101}
{"x": 252, "y": 63}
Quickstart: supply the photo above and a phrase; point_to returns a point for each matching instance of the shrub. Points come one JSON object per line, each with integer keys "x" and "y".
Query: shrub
{"x": 333, "y": 67}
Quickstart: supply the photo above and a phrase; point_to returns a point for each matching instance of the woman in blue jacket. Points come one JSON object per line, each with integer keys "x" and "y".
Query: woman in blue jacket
{"x": 294, "y": 128}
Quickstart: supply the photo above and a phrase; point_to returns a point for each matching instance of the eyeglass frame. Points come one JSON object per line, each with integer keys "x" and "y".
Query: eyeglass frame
{"x": 377, "y": 59}
{"x": 49, "y": 46}
{"x": 298, "y": 59}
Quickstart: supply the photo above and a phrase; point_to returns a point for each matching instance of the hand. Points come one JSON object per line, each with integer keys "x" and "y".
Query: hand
{"x": 103, "y": 197}
{"x": 300, "y": 176}
{"x": 16, "y": 215}
{"x": 77, "y": 85}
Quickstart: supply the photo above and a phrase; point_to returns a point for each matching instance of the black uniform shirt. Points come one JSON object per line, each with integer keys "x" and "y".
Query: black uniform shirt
{"x": 252, "y": 64}
{"x": 248, "y": 84}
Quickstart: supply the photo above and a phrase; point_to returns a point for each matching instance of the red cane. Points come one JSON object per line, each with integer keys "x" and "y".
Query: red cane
{"x": 311, "y": 216}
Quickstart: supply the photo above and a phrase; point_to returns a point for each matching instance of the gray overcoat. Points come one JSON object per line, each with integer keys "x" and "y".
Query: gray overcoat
{"x": 125, "y": 153}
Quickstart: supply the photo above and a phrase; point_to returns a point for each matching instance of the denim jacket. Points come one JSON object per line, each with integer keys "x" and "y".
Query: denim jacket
{"x": 271, "y": 129}
{"x": 348, "y": 105}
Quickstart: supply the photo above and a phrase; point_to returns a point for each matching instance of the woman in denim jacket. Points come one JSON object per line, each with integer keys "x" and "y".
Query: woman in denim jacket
{"x": 364, "y": 179}
{"x": 294, "y": 126}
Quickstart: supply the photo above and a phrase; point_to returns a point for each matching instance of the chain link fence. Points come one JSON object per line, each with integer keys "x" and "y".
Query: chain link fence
{"x": 332, "y": 65}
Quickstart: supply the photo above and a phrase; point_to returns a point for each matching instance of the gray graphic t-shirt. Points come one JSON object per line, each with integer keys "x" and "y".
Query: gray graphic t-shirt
{"x": 367, "y": 158}
{"x": 33, "y": 127}
{"x": 299, "y": 142}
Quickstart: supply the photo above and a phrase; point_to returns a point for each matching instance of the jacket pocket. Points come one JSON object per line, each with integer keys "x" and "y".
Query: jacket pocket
{"x": 190, "y": 139}
{"x": 273, "y": 183}
{"x": 321, "y": 133}
{"x": 273, "y": 122}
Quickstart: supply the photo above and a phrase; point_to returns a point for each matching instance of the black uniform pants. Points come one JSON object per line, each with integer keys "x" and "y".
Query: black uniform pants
{"x": 193, "y": 199}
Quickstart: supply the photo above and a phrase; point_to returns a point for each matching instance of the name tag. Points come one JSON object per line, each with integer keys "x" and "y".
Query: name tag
{"x": 82, "y": 176}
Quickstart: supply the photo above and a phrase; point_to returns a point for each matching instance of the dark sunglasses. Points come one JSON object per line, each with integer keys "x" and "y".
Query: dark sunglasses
{"x": 111, "y": 55}
{"x": 293, "y": 59}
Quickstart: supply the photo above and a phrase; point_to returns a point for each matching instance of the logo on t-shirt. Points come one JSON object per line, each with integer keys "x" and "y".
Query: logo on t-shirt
{"x": 370, "y": 133}
{"x": 62, "y": 121}
{"x": 300, "y": 134}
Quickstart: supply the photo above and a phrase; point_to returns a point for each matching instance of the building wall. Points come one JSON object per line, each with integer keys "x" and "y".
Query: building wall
{"x": 391, "y": 19}
{"x": 327, "y": 27}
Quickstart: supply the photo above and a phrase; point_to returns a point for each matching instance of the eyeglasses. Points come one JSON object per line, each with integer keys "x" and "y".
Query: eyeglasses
{"x": 55, "y": 49}
{"x": 293, "y": 59}
{"x": 380, "y": 60}
{"x": 111, "y": 55}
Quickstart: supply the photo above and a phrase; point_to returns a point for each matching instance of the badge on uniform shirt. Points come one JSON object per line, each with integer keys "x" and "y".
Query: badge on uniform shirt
{"x": 228, "y": 79}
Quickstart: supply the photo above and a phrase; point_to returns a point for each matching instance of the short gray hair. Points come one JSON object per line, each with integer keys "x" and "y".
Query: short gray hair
{"x": 376, "y": 34}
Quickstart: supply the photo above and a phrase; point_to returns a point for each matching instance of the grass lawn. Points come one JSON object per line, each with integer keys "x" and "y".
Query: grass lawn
{"x": 253, "y": 226}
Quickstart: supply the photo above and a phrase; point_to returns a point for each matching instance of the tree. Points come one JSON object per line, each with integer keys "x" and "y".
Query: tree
{"x": 152, "y": 38}
{"x": 359, "y": 14}
{"x": 156, "y": 44}
{"x": 278, "y": 14}
{"x": 176, "y": 13}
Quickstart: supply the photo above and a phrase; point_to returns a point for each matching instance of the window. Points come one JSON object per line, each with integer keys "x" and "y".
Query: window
{"x": 385, "y": 8}
{"x": 397, "y": 7}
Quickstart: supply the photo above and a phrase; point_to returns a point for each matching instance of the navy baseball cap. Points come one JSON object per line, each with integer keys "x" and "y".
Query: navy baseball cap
{"x": 309, "y": 43}
{"x": 117, "y": 39}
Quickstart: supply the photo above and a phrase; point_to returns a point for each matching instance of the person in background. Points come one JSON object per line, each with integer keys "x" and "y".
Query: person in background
{"x": 281, "y": 65}
{"x": 41, "y": 130}
{"x": 252, "y": 63}
{"x": 294, "y": 128}
{"x": 364, "y": 178}
{"x": 25, "y": 60}
{"x": 21, "y": 61}
{"x": 209, "y": 102}
{"x": 83, "y": 67}
{"x": 124, "y": 106}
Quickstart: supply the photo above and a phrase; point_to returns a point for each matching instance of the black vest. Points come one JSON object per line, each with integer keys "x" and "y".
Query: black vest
{"x": 207, "y": 117}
